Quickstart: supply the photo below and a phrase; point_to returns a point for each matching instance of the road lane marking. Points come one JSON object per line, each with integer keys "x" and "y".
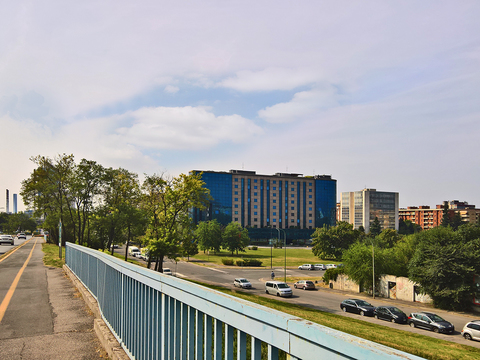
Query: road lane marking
{"x": 18, "y": 247}
{"x": 8, "y": 297}
{"x": 221, "y": 271}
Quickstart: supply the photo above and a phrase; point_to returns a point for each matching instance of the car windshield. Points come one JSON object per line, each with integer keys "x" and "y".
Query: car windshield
{"x": 436, "y": 318}
{"x": 363, "y": 303}
{"x": 282, "y": 286}
{"x": 396, "y": 311}
{"x": 244, "y": 280}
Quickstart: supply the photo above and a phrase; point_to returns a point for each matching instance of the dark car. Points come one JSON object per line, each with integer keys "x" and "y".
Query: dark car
{"x": 357, "y": 306}
{"x": 391, "y": 313}
{"x": 304, "y": 284}
{"x": 430, "y": 321}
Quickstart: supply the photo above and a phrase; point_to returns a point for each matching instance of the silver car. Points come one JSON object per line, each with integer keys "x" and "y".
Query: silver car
{"x": 471, "y": 330}
{"x": 242, "y": 283}
{"x": 6, "y": 239}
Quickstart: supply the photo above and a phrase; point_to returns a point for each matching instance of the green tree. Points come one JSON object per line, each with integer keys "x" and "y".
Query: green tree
{"x": 387, "y": 238}
{"x": 445, "y": 263}
{"x": 408, "y": 227}
{"x": 331, "y": 242}
{"x": 446, "y": 215}
{"x": 235, "y": 238}
{"x": 209, "y": 235}
{"x": 375, "y": 228}
{"x": 167, "y": 203}
{"x": 19, "y": 222}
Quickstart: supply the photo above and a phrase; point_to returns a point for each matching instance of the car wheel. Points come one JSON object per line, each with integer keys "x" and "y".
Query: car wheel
{"x": 376, "y": 316}
{"x": 467, "y": 336}
{"x": 393, "y": 321}
{"x": 412, "y": 325}
{"x": 304, "y": 288}
{"x": 266, "y": 291}
{"x": 344, "y": 309}
{"x": 362, "y": 313}
{"x": 435, "y": 330}
{"x": 278, "y": 294}
{"x": 295, "y": 286}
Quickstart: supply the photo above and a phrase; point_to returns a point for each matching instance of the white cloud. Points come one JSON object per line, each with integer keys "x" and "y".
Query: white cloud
{"x": 170, "y": 89}
{"x": 184, "y": 128}
{"x": 270, "y": 79}
{"x": 303, "y": 106}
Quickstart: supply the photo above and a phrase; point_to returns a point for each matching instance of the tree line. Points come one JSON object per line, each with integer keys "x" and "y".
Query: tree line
{"x": 443, "y": 261}
{"x": 99, "y": 206}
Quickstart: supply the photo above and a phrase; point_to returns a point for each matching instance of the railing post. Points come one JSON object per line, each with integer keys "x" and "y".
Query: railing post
{"x": 241, "y": 345}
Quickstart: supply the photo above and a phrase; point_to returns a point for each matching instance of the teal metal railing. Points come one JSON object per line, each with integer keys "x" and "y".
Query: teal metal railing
{"x": 160, "y": 317}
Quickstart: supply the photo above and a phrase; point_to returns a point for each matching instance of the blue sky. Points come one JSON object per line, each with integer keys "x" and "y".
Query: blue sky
{"x": 377, "y": 94}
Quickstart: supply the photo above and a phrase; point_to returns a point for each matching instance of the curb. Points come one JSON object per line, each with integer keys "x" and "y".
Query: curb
{"x": 105, "y": 336}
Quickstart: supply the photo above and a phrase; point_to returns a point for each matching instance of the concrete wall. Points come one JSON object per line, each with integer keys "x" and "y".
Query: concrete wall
{"x": 390, "y": 287}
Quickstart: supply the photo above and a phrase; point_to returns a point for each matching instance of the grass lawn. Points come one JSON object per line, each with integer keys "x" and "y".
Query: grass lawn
{"x": 420, "y": 345}
{"x": 51, "y": 257}
{"x": 295, "y": 257}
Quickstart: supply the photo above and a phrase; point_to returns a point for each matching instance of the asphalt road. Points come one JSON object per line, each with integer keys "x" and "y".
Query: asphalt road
{"x": 40, "y": 316}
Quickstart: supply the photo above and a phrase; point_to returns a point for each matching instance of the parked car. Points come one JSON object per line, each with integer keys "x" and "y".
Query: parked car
{"x": 306, "y": 267}
{"x": 430, "y": 321}
{"x": 320, "y": 267}
{"x": 357, "y": 306}
{"x": 471, "y": 330}
{"x": 391, "y": 313}
{"x": 330, "y": 266}
{"x": 304, "y": 284}
{"x": 278, "y": 288}
{"x": 167, "y": 271}
{"x": 6, "y": 239}
{"x": 21, "y": 236}
{"x": 242, "y": 283}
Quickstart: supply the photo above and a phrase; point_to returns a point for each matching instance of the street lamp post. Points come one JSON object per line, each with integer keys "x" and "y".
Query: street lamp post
{"x": 285, "y": 247}
{"x": 373, "y": 268}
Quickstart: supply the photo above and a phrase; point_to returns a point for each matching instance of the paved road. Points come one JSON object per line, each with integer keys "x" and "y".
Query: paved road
{"x": 40, "y": 315}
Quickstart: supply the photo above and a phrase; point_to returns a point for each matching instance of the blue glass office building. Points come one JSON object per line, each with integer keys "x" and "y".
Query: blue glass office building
{"x": 283, "y": 200}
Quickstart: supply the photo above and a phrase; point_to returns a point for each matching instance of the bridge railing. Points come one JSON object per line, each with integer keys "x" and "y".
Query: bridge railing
{"x": 156, "y": 316}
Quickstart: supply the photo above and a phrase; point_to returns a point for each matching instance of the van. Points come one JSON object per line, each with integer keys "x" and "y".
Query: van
{"x": 133, "y": 251}
{"x": 278, "y": 288}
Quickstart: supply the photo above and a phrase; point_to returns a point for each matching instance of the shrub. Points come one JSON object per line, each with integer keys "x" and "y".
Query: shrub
{"x": 254, "y": 248}
{"x": 227, "y": 261}
{"x": 252, "y": 262}
{"x": 240, "y": 263}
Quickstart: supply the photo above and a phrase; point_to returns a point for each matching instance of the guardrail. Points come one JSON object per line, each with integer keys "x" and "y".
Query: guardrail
{"x": 156, "y": 316}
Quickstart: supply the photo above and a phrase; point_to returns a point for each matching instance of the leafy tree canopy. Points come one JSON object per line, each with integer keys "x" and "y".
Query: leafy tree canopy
{"x": 331, "y": 242}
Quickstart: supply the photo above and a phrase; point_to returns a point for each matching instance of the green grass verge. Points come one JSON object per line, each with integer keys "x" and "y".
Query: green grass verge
{"x": 420, "y": 345}
{"x": 51, "y": 257}
{"x": 295, "y": 257}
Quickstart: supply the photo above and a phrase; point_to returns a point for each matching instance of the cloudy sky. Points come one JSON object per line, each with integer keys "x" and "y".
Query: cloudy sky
{"x": 377, "y": 94}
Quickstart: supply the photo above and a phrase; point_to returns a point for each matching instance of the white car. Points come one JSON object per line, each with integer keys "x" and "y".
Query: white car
{"x": 331, "y": 266}
{"x": 320, "y": 267}
{"x": 471, "y": 330}
{"x": 167, "y": 271}
{"x": 306, "y": 267}
{"x": 242, "y": 283}
{"x": 21, "y": 236}
{"x": 6, "y": 239}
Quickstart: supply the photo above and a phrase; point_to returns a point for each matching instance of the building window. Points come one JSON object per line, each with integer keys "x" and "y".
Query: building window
{"x": 292, "y": 221}
{"x": 255, "y": 187}
{"x": 274, "y": 220}
{"x": 236, "y": 206}
{"x": 236, "y": 199}
{"x": 293, "y": 195}
{"x": 255, "y": 213}
{"x": 236, "y": 219}
{"x": 274, "y": 188}
{"x": 293, "y": 208}
{"x": 236, "y": 179}
{"x": 274, "y": 201}
{"x": 309, "y": 196}
{"x": 254, "y": 180}
{"x": 236, "y": 212}
{"x": 274, "y": 194}
{"x": 293, "y": 189}
{"x": 309, "y": 203}
{"x": 309, "y": 221}
{"x": 309, "y": 190}
{"x": 274, "y": 213}
{"x": 254, "y": 206}
{"x": 293, "y": 214}
{"x": 292, "y": 183}
{"x": 236, "y": 186}
{"x": 309, "y": 209}
{"x": 254, "y": 200}
{"x": 236, "y": 192}
{"x": 254, "y": 194}
{"x": 309, "y": 184}
{"x": 274, "y": 181}
{"x": 255, "y": 219}
{"x": 274, "y": 208}
{"x": 309, "y": 215}
{"x": 293, "y": 202}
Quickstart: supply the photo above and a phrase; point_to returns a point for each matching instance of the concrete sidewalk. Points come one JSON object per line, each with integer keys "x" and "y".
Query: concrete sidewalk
{"x": 72, "y": 335}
